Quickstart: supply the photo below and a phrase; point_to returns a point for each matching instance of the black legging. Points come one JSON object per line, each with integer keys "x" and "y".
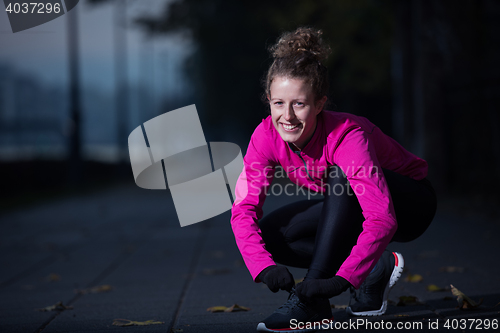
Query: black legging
{"x": 319, "y": 234}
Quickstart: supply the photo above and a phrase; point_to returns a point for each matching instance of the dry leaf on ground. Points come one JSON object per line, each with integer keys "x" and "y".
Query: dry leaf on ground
{"x": 127, "y": 322}
{"x": 414, "y": 278}
{"x": 297, "y": 281}
{"x": 94, "y": 290}
{"x": 56, "y": 307}
{"x": 232, "y": 308}
{"x": 217, "y": 308}
{"x": 236, "y": 307}
{"x": 53, "y": 277}
{"x": 408, "y": 300}
{"x": 451, "y": 269}
{"x": 464, "y": 302}
{"x": 434, "y": 288}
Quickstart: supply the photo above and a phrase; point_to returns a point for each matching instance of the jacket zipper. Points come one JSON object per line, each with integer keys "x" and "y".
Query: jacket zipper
{"x": 305, "y": 165}
{"x": 342, "y": 136}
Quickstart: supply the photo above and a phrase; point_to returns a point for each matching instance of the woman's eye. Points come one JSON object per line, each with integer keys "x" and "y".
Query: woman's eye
{"x": 299, "y": 104}
{"x": 278, "y": 103}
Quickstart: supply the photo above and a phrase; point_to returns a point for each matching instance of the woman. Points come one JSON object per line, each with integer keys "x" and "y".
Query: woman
{"x": 366, "y": 177}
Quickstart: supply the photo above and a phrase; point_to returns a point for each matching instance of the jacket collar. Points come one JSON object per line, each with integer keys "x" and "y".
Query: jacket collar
{"x": 314, "y": 142}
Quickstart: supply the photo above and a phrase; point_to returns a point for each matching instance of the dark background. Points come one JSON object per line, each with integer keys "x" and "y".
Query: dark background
{"x": 426, "y": 72}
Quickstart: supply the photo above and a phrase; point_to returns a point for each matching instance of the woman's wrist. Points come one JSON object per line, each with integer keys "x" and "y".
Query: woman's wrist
{"x": 322, "y": 288}
{"x": 344, "y": 284}
{"x": 264, "y": 271}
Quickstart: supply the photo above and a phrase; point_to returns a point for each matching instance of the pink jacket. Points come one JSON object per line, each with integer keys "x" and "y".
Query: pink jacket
{"x": 360, "y": 149}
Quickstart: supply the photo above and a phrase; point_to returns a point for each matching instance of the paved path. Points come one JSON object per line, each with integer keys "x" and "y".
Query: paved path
{"x": 130, "y": 238}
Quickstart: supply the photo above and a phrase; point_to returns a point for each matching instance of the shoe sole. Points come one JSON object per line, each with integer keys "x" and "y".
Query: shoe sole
{"x": 396, "y": 274}
{"x": 261, "y": 327}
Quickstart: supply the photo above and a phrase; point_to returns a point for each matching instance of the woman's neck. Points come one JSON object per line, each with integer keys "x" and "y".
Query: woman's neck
{"x": 293, "y": 146}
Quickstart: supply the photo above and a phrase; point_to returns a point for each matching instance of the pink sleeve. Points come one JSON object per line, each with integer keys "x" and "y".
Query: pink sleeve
{"x": 357, "y": 158}
{"x": 251, "y": 189}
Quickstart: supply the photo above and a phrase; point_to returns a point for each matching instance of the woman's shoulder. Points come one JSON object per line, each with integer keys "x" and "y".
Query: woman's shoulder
{"x": 264, "y": 138}
{"x": 334, "y": 118}
{"x": 266, "y": 124}
{"x": 338, "y": 123}
{"x": 265, "y": 130}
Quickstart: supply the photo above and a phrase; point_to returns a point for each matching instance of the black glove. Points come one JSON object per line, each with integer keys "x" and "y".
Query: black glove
{"x": 321, "y": 288}
{"x": 276, "y": 278}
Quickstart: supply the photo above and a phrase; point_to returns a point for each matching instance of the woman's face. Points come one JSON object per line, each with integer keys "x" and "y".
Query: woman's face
{"x": 293, "y": 110}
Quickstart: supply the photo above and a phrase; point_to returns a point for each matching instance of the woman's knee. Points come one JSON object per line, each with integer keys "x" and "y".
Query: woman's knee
{"x": 415, "y": 208}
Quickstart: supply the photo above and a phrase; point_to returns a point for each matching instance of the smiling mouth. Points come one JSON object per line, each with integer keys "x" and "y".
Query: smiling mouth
{"x": 290, "y": 127}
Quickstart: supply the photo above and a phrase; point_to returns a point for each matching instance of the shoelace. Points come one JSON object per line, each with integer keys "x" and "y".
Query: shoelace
{"x": 290, "y": 303}
{"x": 372, "y": 289}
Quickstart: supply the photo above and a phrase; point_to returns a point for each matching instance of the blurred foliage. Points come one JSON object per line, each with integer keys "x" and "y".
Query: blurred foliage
{"x": 231, "y": 58}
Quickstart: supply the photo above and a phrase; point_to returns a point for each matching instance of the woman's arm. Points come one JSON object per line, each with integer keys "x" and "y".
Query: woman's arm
{"x": 357, "y": 158}
{"x": 251, "y": 189}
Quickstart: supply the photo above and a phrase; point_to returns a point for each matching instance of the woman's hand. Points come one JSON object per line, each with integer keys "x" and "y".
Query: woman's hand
{"x": 321, "y": 288}
{"x": 276, "y": 278}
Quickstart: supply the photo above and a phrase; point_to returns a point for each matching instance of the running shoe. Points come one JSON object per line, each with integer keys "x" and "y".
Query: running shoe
{"x": 371, "y": 297}
{"x": 296, "y": 316}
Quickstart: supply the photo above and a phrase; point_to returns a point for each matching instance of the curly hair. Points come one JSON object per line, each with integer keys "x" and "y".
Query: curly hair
{"x": 298, "y": 55}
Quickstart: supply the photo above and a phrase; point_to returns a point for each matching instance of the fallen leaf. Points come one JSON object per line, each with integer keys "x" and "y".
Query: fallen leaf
{"x": 297, "y": 281}
{"x": 434, "y": 288}
{"x": 236, "y": 307}
{"x": 343, "y": 306}
{"x": 452, "y": 269}
{"x": 464, "y": 302}
{"x": 414, "y": 278}
{"x": 53, "y": 277}
{"x": 56, "y": 307}
{"x": 408, "y": 300}
{"x": 232, "y": 308}
{"x": 127, "y": 322}
{"x": 94, "y": 290}
{"x": 217, "y": 308}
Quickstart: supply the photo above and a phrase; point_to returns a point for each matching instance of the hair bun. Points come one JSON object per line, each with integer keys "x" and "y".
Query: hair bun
{"x": 301, "y": 40}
